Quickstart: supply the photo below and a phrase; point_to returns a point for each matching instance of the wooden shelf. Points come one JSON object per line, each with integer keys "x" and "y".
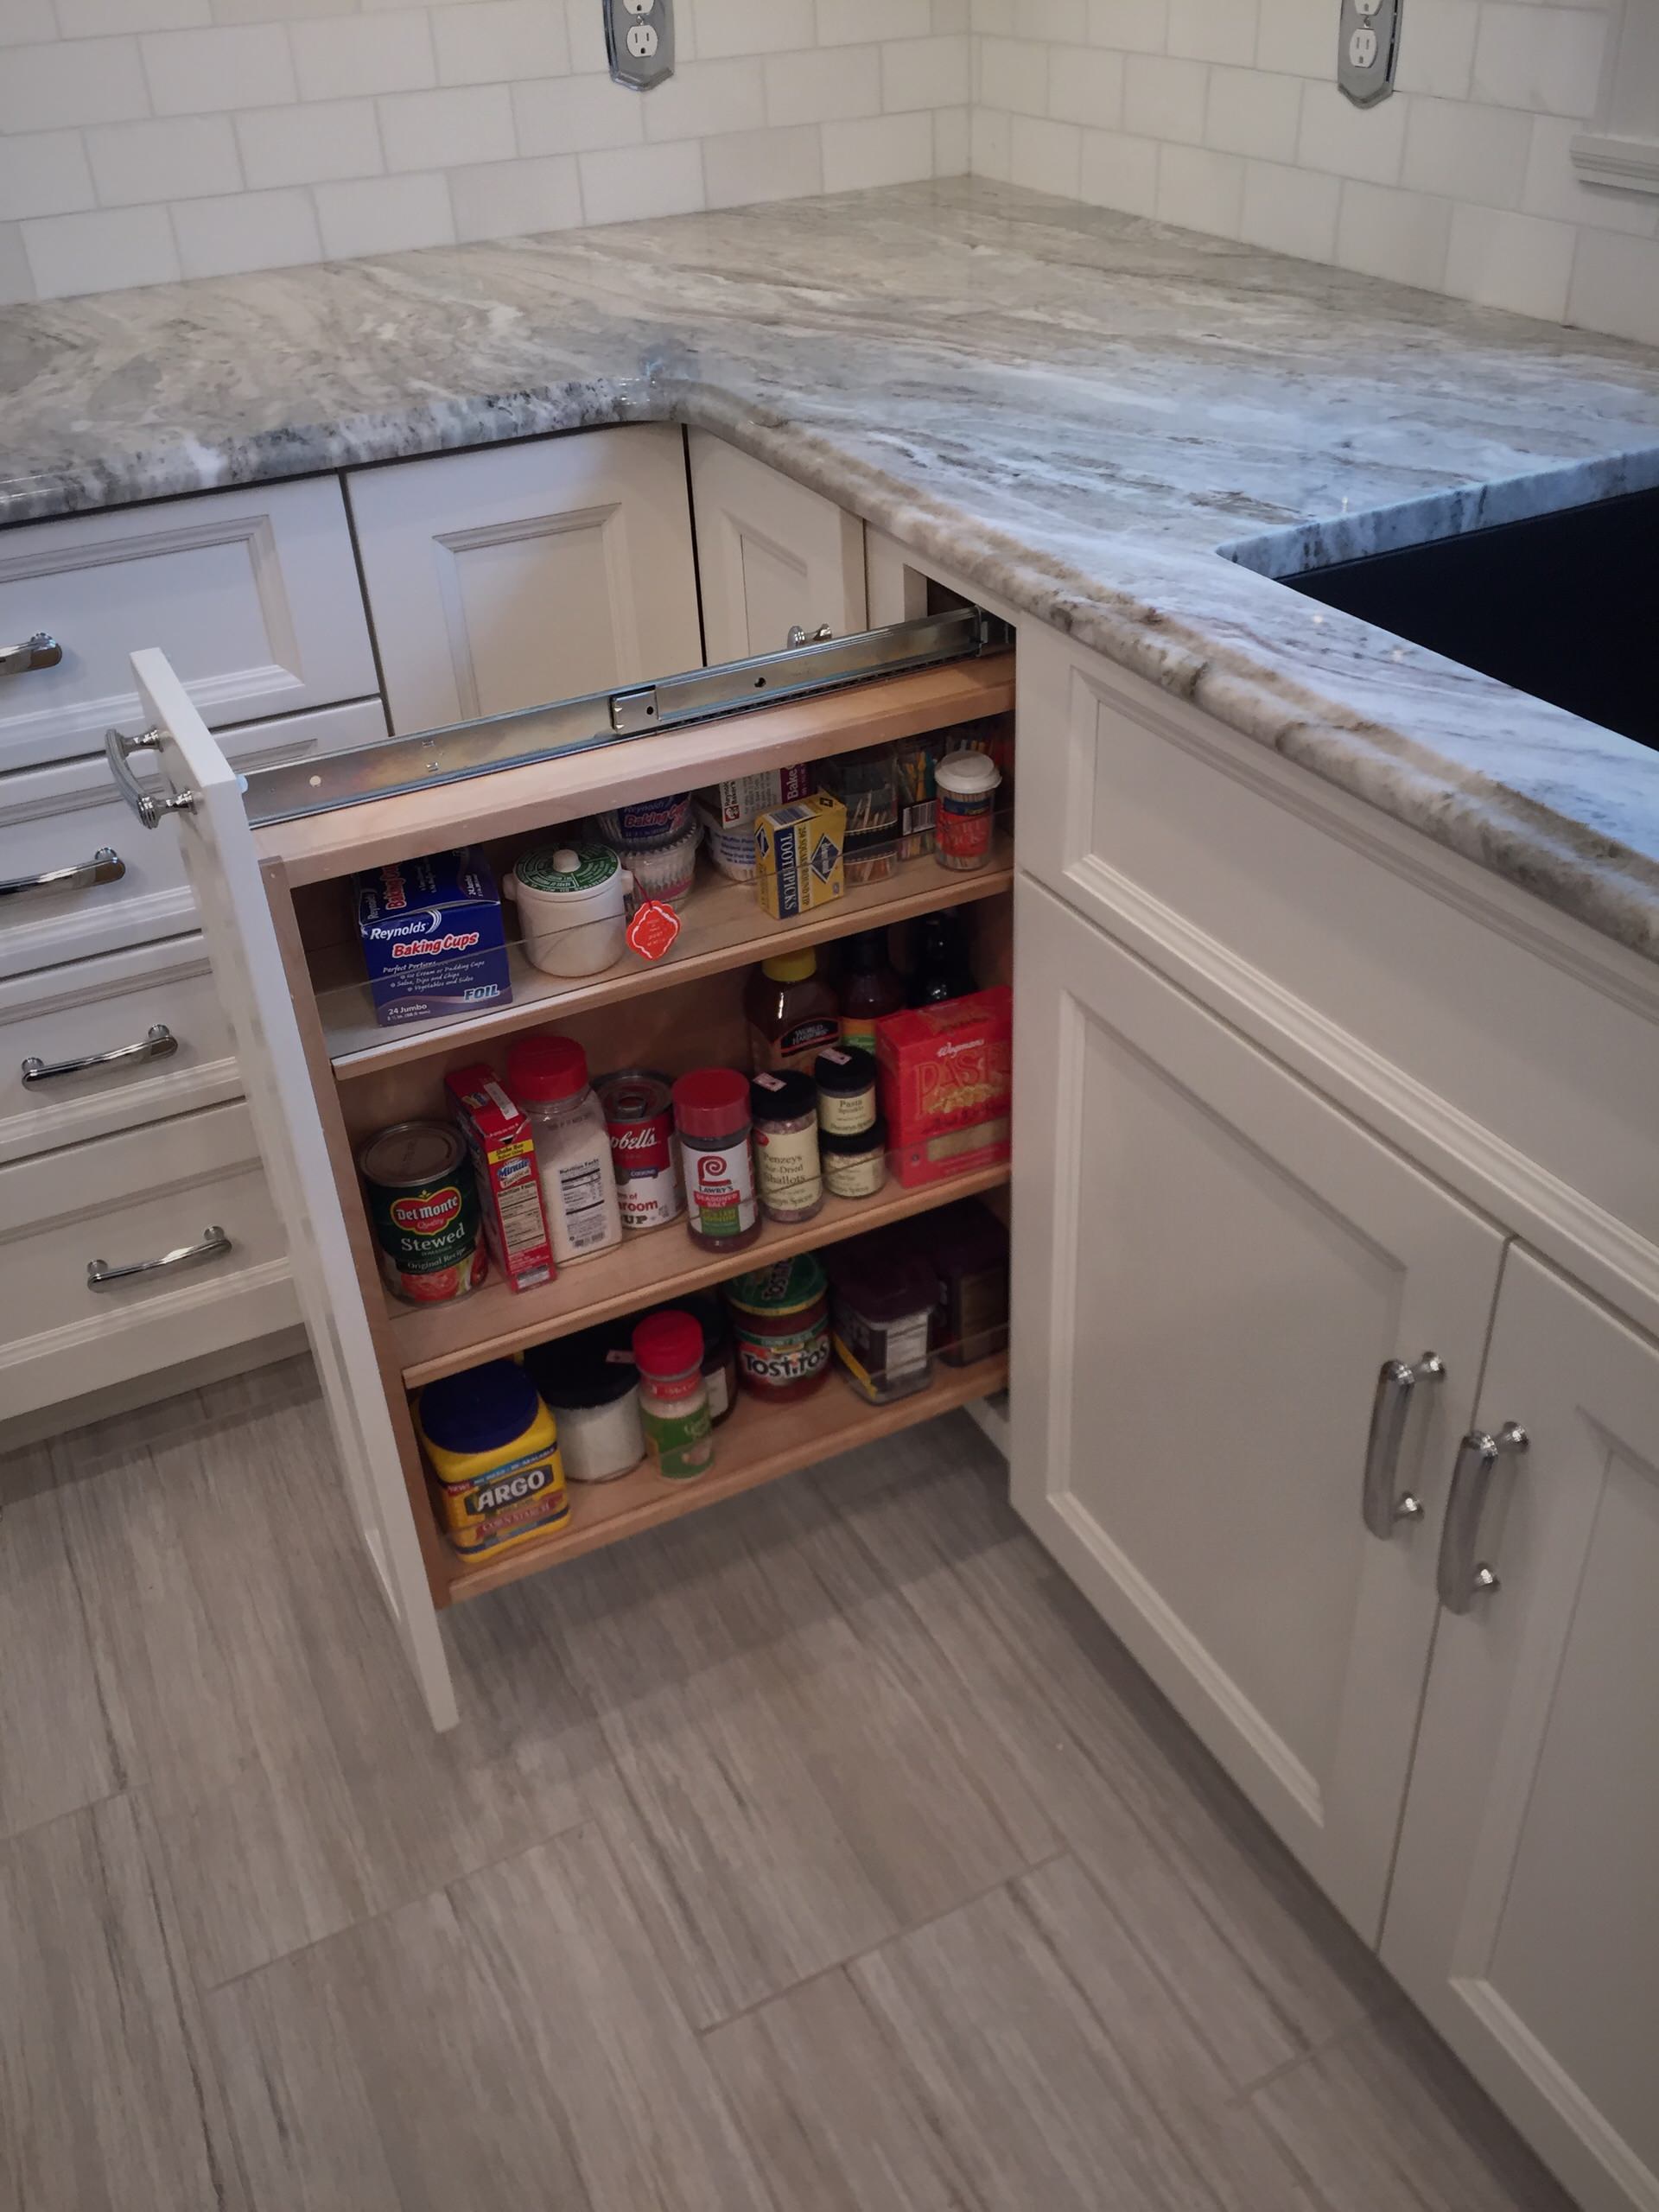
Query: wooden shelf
{"x": 650, "y": 1270}
{"x": 757, "y": 1444}
{"x": 722, "y": 927}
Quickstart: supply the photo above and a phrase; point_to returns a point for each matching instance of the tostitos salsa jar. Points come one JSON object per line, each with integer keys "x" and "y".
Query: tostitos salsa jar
{"x": 423, "y": 1210}
{"x": 781, "y": 1320}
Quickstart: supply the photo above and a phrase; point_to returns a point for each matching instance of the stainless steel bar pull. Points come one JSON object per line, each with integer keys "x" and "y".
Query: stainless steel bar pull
{"x": 106, "y": 866}
{"x": 157, "y": 1043}
{"x": 100, "y": 1275}
{"x": 1383, "y": 1503}
{"x": 1460, "y": 1577}
{"x": 41, "y": 650}
{"x": 149, "y": 808}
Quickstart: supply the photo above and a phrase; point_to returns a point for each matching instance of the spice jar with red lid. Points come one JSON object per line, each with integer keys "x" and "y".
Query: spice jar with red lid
{"x": 673, "y": 1396}
{"x": 711, "y": 1111}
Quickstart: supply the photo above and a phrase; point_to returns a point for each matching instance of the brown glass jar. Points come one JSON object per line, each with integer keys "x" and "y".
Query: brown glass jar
{"x": 870, "y": 987}
{"x": 791, "y": 1010}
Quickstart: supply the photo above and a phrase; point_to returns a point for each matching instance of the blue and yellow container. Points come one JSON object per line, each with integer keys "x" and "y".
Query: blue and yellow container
{"x": 493, "y": 1447}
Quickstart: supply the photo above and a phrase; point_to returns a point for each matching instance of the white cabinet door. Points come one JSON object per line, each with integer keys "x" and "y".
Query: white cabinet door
{"x": 252, "y": 594}
{"x": 516, "y": 574}
{"x": 1524, "y": 1916}
{"x": 237, "y": 925}
{"x": 1212, "y": 1264}
{"x": 772, "y": 555}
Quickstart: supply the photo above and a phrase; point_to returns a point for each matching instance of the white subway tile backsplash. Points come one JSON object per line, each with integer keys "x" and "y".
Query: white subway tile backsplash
{"x": 1436, "y": 48}
{"x": 574, "y": 115}
{"x": 921, "y": 73}
{"x": 584, "y": 27}
{"x": 1505, "y": 260}
{"x": 101, "y": 18}
{"x": 338, "y": 57}
{"x": 1548, "y": 60}
{"x": 1132, "y": 26}
{"x": 704, "y": 98}
{"x": 1046, "y": 156}
{"x": 197, "y": 72}
{"x": 951, "y": 147}
{"x": 502, "y": 200}
{"x": 1365, "y": 142}
{"x": 1119, "y": 171}
{"x": 618, "y": 187}
{"x": 311, "y": 144}
{"x": 174, "y": 157}
{"x": 1290, "y": 210}
{"x": 1297, "y": 37}
{"x": 725, "y": 27}
{"x": 1466, "y": 151}
{"x": 98, "y": 252}
{"x": 878, "y": 149}
{"x": 1164, "y": 97}
{"x": 823, "y": 85}
{"x": 384, "y": 214}
{"x": 44, "y": 173}
{"x": 1066, "y": 21}
{"x": 1200, "y": 190}
{"x": 1085, "y": 85}
{"x": 442, "y": 130}
{"x": 17, "y": 277}
{"x": 744, "y": 167}
{"x": 251, "y": 230}
{"x": 1213, "y": 30}
{"x": 1013, "y": 76}
{"x": 75, "y": 82}
{"x": 1253, "y": 111}
{"x": 988, "y": 142}
{"x": 494, "y": 41}
{"x": 1402, "y": 235}
{"x": 1616, "y": 285}
{"x": 854, "y": 22}
{"x": 27, "y": 22}
{"x": 1553, "y": 187}
{"x": 949, "y": 16}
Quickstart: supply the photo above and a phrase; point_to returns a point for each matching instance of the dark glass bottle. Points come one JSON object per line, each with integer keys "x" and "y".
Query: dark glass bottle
{"x": 942, "y": 970}
{"x": 869, "y": 987}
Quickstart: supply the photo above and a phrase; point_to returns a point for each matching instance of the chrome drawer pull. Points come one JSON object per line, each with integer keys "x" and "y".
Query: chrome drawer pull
{"x": 100, "y": 1275}
{"x": 118, "y": 749}
{"x": 1460, "y": 1577}
{"x": 1382, "y": 1503}
{"x": 39, "y": 651}
{"x": 157, "y": 1043}
{"x": 106, "y": 866}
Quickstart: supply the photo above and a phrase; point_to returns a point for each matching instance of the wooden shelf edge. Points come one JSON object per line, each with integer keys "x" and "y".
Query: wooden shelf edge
{"x": 845, "y": 917}
{"x": 697, "y": 1270}
{"x": 757, "y": 1445}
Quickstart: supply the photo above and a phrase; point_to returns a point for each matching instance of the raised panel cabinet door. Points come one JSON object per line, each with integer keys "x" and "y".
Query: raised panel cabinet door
{"x": 518, "y": 574}
{"x": 240, "y": 930}
{"x": 772, "y": 554}
{"x": 1211, "y": 1266}
{"x": 1524, "y": 1916}
{"x": 252, "y": 594}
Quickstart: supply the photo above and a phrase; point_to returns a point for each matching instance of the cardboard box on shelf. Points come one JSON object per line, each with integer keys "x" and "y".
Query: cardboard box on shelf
{"x": 798, "y": 856}
{"x": 947, "y": 1085}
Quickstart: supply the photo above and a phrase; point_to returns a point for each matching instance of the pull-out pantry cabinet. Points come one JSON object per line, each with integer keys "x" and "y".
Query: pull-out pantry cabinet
{"x": 322, "y": 1077}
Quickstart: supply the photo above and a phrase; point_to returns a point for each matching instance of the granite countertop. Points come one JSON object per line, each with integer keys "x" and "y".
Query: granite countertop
{"x": 1068, "y": 408}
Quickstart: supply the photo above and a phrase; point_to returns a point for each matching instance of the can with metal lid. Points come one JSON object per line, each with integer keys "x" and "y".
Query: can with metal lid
{"x": 423, "y": 1209}
{"x": 638, "y": 1109}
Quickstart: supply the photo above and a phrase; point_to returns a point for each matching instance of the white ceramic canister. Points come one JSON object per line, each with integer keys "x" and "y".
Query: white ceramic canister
{"x": 572, "y": 902}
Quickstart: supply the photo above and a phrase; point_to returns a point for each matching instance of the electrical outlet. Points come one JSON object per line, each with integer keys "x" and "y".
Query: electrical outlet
{"x": 1368, "y": 40}
{"x": 639, "y": 40}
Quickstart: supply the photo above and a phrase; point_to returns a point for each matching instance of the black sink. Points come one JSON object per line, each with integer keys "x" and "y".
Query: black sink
{"x": 1565, "y": 606}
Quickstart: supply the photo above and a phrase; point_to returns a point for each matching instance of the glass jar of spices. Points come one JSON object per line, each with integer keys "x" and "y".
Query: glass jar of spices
{"x": 854, "y": 1166}
{"x": 845, "y": 1075}
{"x": 784, "y": 1110}
{"x": 673, "y": 1396}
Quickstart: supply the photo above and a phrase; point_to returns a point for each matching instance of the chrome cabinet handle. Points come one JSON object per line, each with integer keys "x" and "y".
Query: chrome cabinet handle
{"x": 100, "y": 1275}
{"x": 106, "y": 866}
{"x": 157, "y": 1043}
{"x": 1461, "y": 1578}
{"x": 800, "y": 635}
{"x": 1384, "y": 1504}
{"x": 118, "y": 749}
{"x": 40, "y": 651}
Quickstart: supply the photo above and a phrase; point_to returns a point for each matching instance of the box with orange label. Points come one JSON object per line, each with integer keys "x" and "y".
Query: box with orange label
{"x": 498, "y": 1136}
{"x": 947, "y": 1083}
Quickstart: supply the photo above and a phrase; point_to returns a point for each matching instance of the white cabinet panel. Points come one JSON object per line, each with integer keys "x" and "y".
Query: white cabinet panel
{"x": 89, "y": 1007}
{"x": 1212, "y": 1264}
{"x": 772, "y": 555}
{"x": 1524, "y": 1918}
{"x": 252, "y": 594}
{"x": 122, "y": 1199}
{"x": 58, "y": 817}
{"x": 516, "y": 574}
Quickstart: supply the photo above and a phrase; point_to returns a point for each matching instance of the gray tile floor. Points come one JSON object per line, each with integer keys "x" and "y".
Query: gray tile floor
{"x": 820, "y": 1854}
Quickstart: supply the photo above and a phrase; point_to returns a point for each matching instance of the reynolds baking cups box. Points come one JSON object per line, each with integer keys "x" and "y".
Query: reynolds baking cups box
{"x": 433, "y": 938}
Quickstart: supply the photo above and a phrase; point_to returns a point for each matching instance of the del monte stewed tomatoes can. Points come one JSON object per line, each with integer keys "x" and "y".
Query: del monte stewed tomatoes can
{"x": 423, "y": 1206}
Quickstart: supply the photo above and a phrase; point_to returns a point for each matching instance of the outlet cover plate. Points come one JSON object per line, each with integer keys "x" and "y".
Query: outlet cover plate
{"x": 1367, "y": 42}
{"x": 639, "y": 41}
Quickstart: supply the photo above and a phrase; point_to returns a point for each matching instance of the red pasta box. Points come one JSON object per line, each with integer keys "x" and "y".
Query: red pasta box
{"x": 504, "y": 1165}
{"x": 947, "y": 1084}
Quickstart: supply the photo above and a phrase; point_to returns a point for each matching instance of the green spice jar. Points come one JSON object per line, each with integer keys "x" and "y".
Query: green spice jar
{"x": 673, "y": 1396}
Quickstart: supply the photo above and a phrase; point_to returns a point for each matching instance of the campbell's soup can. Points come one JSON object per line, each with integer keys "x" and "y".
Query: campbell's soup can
{"x": 424, "y": 1208}
{"x": 638, "y": 1109}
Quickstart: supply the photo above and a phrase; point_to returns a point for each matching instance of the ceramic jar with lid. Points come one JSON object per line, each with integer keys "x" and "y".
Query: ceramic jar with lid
{"x": 572, "y": 902}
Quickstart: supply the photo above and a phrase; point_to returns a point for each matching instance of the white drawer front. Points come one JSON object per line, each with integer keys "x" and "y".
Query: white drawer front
{"x": 90, "y": 1006}
{"x": 60, "y": 815}
{"x": 252, "y": 594}
{"x": 122, "y": 1199}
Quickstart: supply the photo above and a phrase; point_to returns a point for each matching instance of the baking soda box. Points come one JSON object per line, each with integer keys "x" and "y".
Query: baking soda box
{"x": 798, "y": 856}
{"x": 433, "y": 938}
{"x": 504, "y": 1166}
{"x": 947, "y": 1085}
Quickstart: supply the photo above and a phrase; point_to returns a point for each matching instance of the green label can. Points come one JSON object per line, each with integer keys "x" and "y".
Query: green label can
{"x": 423, "y": 1210}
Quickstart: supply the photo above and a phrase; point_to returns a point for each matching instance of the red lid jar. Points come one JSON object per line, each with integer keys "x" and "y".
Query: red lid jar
{"x": 545, "y": 1069}
{"x": 711, "y": 1111}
